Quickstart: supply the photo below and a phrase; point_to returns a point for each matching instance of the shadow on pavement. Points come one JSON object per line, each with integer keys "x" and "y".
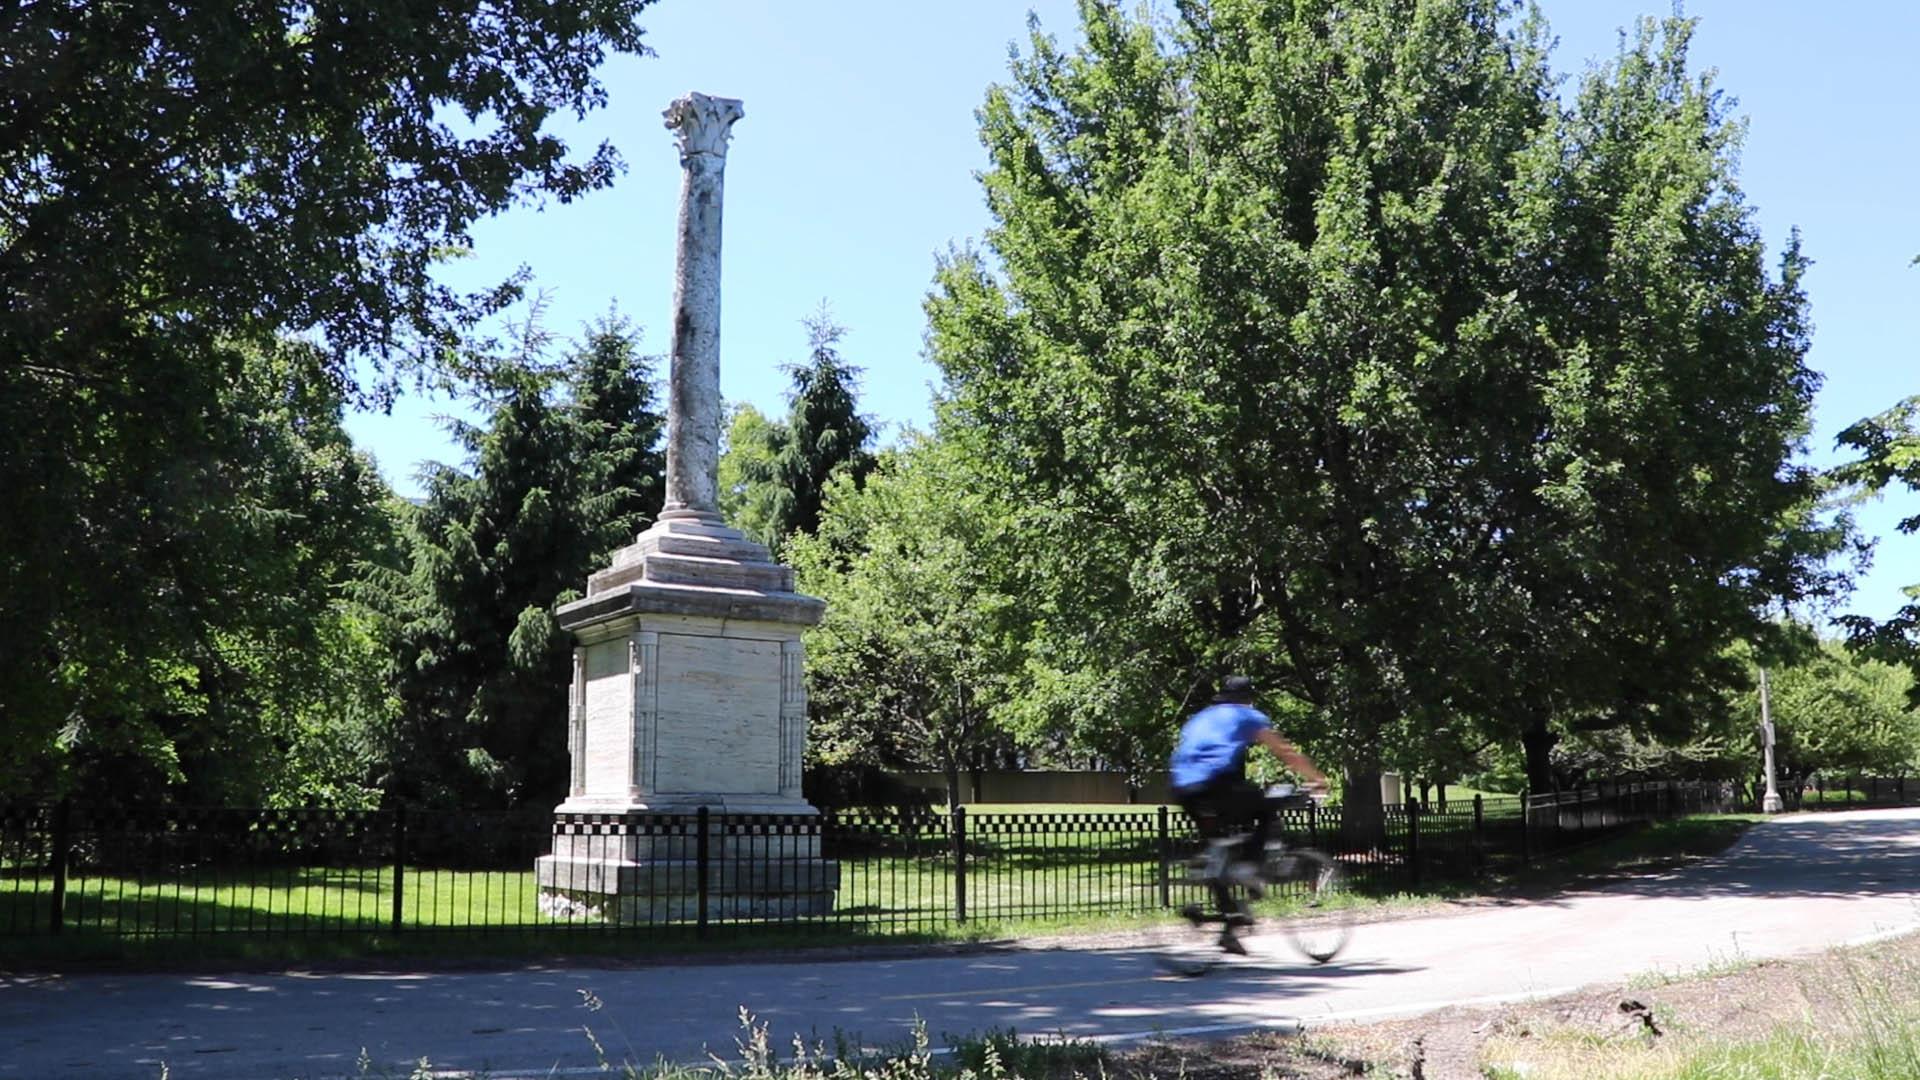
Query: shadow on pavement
{"x": 1862, "y": 854}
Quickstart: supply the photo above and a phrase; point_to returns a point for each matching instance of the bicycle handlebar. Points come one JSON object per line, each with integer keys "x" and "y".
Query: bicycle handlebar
{"x": 1289, "y": 796}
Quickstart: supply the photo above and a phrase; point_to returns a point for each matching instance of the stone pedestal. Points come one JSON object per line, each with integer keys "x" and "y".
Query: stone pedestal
{"x": 687, "y": 693}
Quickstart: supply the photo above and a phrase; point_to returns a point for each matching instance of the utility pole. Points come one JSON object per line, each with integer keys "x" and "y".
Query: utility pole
{"x": 1770, "y": 803}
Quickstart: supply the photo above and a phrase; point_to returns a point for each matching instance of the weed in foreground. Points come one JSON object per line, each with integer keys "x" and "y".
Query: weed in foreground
{"x": 1002, "y": 1048}
{"x": 1869, "y": 1031}
{"x": 1731, "y": 962}
{"x": 997, "y": 1055}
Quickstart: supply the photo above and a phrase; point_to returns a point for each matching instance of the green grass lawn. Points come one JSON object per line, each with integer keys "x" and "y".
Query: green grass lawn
{"x": 1018, "y": 871}
{"x": 1016, "y": 868}
{"x": 1651, "y": 846}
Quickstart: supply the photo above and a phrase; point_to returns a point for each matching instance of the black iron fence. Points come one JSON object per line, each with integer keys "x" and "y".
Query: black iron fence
{"x": 174, "y": 872}
{"x": 1555, "y": 820}
{"x": 1830, "y": 790}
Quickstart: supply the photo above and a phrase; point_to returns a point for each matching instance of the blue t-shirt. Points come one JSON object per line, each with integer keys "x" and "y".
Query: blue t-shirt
{"x": 1214, "y": 743}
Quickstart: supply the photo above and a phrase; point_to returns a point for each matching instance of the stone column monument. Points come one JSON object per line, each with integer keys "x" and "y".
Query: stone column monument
{"x": 687, "y": 688}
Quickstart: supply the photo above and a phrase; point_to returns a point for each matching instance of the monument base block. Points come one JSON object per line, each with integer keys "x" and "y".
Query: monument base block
{"x": 668, "y": 890}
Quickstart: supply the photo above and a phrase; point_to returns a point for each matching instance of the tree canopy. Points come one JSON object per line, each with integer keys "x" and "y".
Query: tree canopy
{"x": 922, "y": 636}
{"x": 243, "y": 533}
{"x": 1321, "y": 341}
{"x": 185, "y": 185}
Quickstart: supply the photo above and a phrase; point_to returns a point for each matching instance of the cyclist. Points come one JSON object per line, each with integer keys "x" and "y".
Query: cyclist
{"x": 1209, "y": 777}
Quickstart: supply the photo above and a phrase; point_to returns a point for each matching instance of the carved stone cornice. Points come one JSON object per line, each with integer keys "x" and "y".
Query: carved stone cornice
{"x": 702, "y": 124}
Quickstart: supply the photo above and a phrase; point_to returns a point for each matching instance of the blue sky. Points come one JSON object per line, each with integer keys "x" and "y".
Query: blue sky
{"x": 854, "y": 167}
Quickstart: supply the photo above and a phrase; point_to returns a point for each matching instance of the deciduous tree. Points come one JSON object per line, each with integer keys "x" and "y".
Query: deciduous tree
{"x": 921, "y": 638}
{"x": 260, "y": 686}
{"x": 184, "y": 183}
{"x": 1319, "y": 340}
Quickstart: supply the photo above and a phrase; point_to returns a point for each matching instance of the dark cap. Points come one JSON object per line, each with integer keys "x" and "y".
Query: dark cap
{"x": 1235, "y": 688}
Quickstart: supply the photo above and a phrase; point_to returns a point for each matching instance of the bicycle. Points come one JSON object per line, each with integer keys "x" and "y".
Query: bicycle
{"x": 1319, "y": 934}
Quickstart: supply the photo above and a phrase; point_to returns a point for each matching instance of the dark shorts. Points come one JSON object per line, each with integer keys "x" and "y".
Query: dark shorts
{"x": 1226, "y": 805}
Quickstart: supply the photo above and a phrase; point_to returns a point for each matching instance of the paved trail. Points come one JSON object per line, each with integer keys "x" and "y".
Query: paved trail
{"x": 1790, "y": 886}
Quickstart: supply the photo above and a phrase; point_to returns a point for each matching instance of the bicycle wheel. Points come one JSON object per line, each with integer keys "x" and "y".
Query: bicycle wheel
{"x": 1326, "y": 924}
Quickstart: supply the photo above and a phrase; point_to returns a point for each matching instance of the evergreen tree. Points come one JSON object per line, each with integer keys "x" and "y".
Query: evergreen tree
{"x": 552, "y": 487}
{"x": 825, "y": 433}
{"x": 614, "y": 404}
{"x": 774, "y": 474}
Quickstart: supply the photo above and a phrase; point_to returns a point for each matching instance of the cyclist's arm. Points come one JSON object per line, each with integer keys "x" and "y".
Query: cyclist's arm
{"x": 1291, "y": 755}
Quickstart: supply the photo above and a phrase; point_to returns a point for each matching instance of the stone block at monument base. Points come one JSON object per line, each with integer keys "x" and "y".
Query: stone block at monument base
{"x": 746, "y": 878}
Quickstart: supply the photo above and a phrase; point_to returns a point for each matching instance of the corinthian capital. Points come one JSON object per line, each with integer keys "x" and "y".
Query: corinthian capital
{"x": 701, "y": 123}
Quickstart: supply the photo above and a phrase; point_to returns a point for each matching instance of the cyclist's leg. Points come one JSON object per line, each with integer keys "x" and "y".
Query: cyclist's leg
{"x": 1244, "y": 806}
{"x": 1247, "y": 804}
{"x": 1204, "y": 804}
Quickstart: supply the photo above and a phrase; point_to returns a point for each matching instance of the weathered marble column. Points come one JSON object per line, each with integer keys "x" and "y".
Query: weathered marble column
{"x": 688, "y": 676}
{"x": 702, "y": 125}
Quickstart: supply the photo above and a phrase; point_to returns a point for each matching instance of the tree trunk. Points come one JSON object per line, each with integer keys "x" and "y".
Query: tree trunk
{"x": 950, "y": 765}
{"x": 1363, "y": 821}
{"x": 1538, "y": 742}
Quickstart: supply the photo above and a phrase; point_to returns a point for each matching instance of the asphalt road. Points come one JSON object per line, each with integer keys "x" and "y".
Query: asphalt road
{"x": 1792, "y": 885}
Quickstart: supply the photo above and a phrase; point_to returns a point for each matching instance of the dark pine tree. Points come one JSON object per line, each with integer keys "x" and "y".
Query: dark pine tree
{"x": 554, "y": 487}
{"x": 825, "y": 433}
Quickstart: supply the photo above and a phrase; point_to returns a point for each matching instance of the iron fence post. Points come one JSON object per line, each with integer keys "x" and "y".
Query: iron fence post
{"x": 1413, "y": 844}
{"x": 701, "y": 861}
{"x": 1479, "y": 835}
{"x": 959, "y": 834}
{"x": 399, "y": 863}
{"x": 1526, "y": 828}
{"x": 62, "y": 822}
{"x": 1166, "y": 858}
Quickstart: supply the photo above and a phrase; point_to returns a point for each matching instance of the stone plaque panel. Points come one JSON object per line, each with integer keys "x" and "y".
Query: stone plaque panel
{"x": 719, "y": 715}
{"x": 609, "y": 718}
